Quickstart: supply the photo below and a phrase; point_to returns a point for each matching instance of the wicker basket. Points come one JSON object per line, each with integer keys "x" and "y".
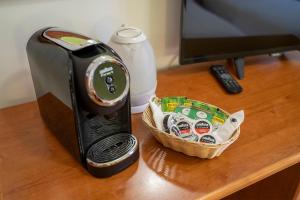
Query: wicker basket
{"x": 197, "y": 149}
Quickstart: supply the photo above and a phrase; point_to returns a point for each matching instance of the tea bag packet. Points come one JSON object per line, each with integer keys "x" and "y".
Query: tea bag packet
{"x": 193, "y": 113}
{"x": 232, "y": 123}
{"x": 169, "y": 104}
{"x": 217, "y": 114}
{"x": 158, "y": 115}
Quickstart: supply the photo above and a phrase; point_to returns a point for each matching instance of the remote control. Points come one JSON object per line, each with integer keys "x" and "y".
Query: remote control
{"x": 227, "y": 81}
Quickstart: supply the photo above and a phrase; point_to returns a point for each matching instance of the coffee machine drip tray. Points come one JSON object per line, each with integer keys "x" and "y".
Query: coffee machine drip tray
{"x": 112, "y": 154}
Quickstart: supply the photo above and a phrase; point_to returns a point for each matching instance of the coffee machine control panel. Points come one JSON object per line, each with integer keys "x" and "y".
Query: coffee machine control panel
{"x": 68, "y": 40}
{"x": 107, "y": 81}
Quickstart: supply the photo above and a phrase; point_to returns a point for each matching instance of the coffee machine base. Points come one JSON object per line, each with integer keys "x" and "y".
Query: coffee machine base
{"x": 112, "y": 154}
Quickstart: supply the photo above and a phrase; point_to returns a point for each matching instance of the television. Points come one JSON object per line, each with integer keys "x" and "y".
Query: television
{"x": 234, "y": 29}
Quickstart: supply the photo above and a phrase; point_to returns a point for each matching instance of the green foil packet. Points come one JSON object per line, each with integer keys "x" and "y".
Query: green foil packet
{"x": 203, "y": 111}
{"x": 218, "y": 116}
{"x": 194, "y": 113}
{"x": 169, "y": 104}
{"x": 194, "y": 110}
{"x": 210, "y": 108}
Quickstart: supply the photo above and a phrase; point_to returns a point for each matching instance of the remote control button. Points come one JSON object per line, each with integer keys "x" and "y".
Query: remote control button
{"x": 109, "y": 80}
{"x": 112, "y": 89}
{"x": 225, "y": 76}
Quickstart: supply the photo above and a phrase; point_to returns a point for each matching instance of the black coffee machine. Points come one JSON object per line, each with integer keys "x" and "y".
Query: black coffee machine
{"x": 82, "y": 90}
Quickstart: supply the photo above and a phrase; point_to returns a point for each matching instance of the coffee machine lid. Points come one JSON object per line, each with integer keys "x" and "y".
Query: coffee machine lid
{"x": 127, "y": 35}
{"x": 68, "y": 40}
{"x": 107, "y": 81}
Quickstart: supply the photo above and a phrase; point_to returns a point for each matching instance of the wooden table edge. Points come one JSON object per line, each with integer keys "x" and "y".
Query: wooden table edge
{"x": 252, "y": 178}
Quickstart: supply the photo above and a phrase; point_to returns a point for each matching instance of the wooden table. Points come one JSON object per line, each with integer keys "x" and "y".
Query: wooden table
{"x": 33, "y": 165}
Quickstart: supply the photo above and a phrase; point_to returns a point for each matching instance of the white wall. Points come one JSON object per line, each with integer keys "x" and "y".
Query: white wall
{"x": 159, "y": 19}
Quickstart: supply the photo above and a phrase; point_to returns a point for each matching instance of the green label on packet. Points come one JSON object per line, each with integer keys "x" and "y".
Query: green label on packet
{"x": 218, "y": 116}
{"x": 169, "y": 104}
{"x": 193, "y": 109}
{"x": 193, "y": 113}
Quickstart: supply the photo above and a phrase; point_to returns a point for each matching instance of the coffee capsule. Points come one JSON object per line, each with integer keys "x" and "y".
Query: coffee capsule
{"x": 209, "y": 139}
{"x": 202, "y": 126}
{"x": 181, "y": 128}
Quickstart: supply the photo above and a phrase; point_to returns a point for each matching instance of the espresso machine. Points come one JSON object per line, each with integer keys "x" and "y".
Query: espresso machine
{"x": 82, "y": 89}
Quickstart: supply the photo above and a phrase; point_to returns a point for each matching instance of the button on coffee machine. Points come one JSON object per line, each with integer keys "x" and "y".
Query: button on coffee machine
{"x": 82, "y": 90}
{"x": 109, "y": 80}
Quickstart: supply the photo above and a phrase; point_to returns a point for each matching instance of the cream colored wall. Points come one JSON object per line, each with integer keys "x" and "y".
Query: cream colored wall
{"x": 159, "y": 19}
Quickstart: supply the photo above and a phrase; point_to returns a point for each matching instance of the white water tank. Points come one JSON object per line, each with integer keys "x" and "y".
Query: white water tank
{"x": 136, "y": 52}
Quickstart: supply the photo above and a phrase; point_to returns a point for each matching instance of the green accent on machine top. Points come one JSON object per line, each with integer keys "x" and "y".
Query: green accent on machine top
{"x": 74, "y": 40}
{"x": 109, "y": 81}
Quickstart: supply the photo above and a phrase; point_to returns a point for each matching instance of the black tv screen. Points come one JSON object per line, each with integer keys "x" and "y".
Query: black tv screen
{"x": 221, "y": 29}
